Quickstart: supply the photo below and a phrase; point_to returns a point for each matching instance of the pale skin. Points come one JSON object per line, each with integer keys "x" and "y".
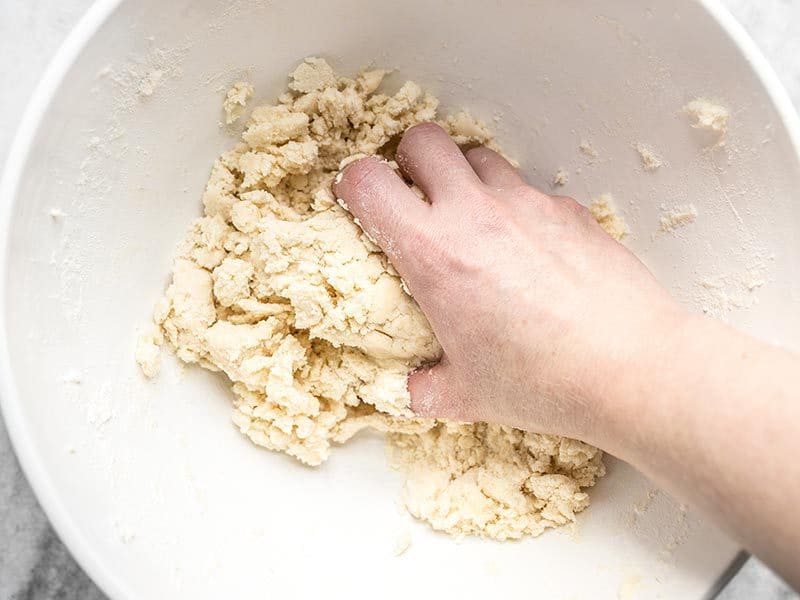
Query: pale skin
{"x": 549, "y": 325}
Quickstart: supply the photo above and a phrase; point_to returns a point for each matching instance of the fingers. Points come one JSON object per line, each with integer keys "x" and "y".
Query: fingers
{"x": 382, "y": 203}
{"x": 493, "y": 169}
{"x": 429, "y": 157}
{"x": 428, "y": 388}
{"x": 434, "y": 393}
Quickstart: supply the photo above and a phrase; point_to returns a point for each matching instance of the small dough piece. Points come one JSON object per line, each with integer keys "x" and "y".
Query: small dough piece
{"x": 561, "y": 178}
{"x": 710, "y": 116}
{"x": 402, "y": 544}
{"x": 650, "y": 160}
{"x": 312, "y": 75}
{"x": 236, "y": 101}
{"x": 605, "y": 213}
{"x": 277, "y": 287}
{"x": 150, "y": 83}
{"x": 587, "y": 149}
{"x": 678, "y": 216}
{"x": 148, "y": 351}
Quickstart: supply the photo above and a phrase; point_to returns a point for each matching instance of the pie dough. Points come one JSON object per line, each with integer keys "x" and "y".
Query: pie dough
{"x": 277, "y": 287}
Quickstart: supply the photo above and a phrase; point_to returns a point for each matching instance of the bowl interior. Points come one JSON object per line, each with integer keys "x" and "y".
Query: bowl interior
{"x": 159, "y": 495}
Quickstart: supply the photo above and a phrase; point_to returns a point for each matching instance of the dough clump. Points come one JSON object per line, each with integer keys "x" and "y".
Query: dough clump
{"x": 650, "y": 160}
{"x": 236, "y": 101}
{"x": 604, "y": 211}
{"x": 279, "y": 289}
{"x": 709, "y": 116}
{"x": 677, "y": 217}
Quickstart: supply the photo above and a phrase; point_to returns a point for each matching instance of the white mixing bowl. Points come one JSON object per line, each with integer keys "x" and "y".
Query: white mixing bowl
{"x": 157, "y": 496}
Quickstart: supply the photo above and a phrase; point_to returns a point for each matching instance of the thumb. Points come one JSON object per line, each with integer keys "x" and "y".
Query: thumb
{"x": 434, "y": 393}
{"x": 383, "y": 205}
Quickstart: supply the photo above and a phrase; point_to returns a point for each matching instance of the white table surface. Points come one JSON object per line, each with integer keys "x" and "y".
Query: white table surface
{"x": 34, "y": 564}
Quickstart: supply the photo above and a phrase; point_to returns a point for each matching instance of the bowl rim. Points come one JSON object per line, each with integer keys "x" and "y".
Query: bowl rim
{"x": 10, "y": 408}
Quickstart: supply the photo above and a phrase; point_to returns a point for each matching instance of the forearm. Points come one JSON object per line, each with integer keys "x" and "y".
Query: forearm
{"x": 712, "y": 415}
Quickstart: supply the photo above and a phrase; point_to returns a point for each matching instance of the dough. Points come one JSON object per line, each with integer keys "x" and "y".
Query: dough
{"x": 561, "y": 178}
{"x": 236, "y": 101}
{"x": 605, "y": 213}
{"x": 587, "y": 149}
{"x": 709, "y": 116}
{"x": 277, "y": 287}
{"x": 650, "y": 160}
{"x": 678, "y": 216}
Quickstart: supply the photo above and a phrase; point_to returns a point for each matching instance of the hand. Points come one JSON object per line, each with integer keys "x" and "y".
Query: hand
{"x": 537, "y": 309}
{"x": 548, "y": 324}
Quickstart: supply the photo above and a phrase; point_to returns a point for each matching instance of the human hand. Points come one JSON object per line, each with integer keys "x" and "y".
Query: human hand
{"x": 537, "y": 309}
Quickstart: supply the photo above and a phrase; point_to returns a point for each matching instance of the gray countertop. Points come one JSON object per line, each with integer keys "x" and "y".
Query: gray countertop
{"x": 34, "y": 564}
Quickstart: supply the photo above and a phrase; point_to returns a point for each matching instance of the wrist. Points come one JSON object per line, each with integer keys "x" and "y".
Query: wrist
{"x": 635, "y": 374}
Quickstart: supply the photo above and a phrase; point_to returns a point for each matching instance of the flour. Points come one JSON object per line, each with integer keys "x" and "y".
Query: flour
{"x": 279, "y": 288}
{"x": 587, "y": 149}
{"x": 150, "y": 82}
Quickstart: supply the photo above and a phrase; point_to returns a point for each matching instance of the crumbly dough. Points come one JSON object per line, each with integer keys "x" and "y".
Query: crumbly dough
{"x": 678, "y": 216}
{"x": 561, "y": 178}
{"x": 277, "y": 287}
{"x": 493, "y": 481}
{"x": 710, "y": 116}
{"x": 148, "y": 351}
{"x": 650, "y": 160}
{"x": 605, "y": 213}
{"x": 236, "y": 101}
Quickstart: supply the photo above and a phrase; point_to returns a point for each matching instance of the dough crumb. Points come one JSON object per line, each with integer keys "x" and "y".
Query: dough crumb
{"x": 277, "y": 287}
{"x": 587, "y": 149}
{"x": 401, "y": 544}
{"x": 561, "y": 178}
{"x": 236, "y": 101}
{"x": 148, "y": 352}
{"x": 650, "y": 160}
{"x": 709, "y": 116}
{"x": 678, "y": 216}
{"x": 315, "y": 74}
{"x": 72, "y": 377}
{"x": 605, "y": 213}
{"x": 57, "y": 214}
{"x": 150, "y": 82}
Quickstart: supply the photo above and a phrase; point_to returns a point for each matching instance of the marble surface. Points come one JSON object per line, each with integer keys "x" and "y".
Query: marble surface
{"x": 34, "y": 564}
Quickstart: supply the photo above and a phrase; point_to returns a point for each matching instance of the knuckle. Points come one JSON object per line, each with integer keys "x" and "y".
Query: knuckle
{"x": 562, "y": 209}
{"x": 569, "y": 204}
{"x": 418, "y": 134}
{"x": 490, "y": 216}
